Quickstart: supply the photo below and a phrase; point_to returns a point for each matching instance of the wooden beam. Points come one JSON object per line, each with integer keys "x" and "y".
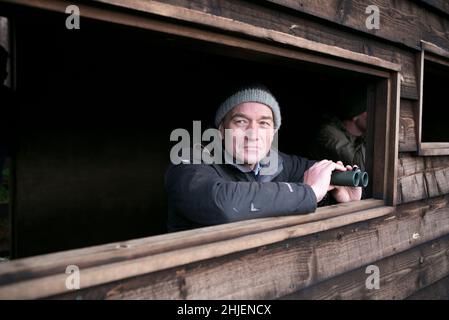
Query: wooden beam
{"x": 434, "y": 149}
{"x": 210, "y": 21}
{"x": 380, "y": 112}
{"x": 434, "y": 49}
{"x": 274, "y": 271}
{"x": 392, "y": 146}
{"x": 256, "y": 268}
{"x": 259, "y": 15}
{"x": 402, "y": 21}
{"x": 400, "y": 276}
{"x": 44, "y": 265}
{"x": 420, "y": 80}
{"x": 407, "y": 133}
{"x": 54, "y": 284}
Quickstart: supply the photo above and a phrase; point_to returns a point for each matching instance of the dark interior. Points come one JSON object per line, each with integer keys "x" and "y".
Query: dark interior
{"x": 97, "y": 106}
{"x": 434, "y": 125}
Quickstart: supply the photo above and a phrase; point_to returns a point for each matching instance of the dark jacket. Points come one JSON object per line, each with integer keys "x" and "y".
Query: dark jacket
{"x": 209, "y": 194}
{"x": 335, "y": 143}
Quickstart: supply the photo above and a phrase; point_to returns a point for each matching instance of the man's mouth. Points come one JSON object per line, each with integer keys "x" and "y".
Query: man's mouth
{"x": 251, "y": 147}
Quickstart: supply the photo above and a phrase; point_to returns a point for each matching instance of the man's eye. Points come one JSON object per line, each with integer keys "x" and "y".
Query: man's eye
{"x": 265, "y": 123}
{"x": 240, "y": 122}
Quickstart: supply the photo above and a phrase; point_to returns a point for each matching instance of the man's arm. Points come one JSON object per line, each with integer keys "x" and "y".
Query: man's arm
{"x": 202, "y": 196}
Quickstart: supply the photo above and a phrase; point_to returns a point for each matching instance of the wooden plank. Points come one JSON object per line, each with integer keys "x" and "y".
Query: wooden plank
{"x": 434, "y": 151}
{"x": 407, "y": 134}
{"x": 441, "y": 5}
{"x": 401, "y": 21}
{"x": 380, "y": 138}
{"x": 392, "y": 147}
{"x": 436, "y": 291}
{"x": 54, "y": 284}
{"x": 422, "y": 177}
{"x": 291, "y": 24}
{"x": 400, "y": 276}
{"x": 121, "y": 251}
{"x": 274, "y": 271}
{"x": 218, "y": 22}
{"x": 435, "y": 145}
{"x": 432, "y": 48}
{"x": 257, "y": 14}
{"x": 420, "y": 81}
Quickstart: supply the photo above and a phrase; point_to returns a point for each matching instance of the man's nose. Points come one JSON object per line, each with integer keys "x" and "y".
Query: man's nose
{"x": 253, "y": 131}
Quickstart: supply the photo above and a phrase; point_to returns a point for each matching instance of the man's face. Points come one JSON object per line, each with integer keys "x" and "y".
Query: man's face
{"x": 361, "y": 121}
{"x": 252, "y": 131}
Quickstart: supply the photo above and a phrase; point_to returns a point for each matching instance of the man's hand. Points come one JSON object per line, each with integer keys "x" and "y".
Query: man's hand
{"x": 318, "y": 177}
{"x": 346, "y": 194}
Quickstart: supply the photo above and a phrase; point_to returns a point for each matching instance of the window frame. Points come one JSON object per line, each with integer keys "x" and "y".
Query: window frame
{"x": 433, "y": 53}
{"x": 180, "y": 248}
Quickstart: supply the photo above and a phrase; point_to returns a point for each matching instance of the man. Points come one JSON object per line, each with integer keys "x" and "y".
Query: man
{"x": 342, "y": 137}
{"x": 209, "y": 194}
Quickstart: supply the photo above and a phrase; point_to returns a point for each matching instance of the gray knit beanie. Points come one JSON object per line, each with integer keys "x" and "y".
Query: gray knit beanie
{"x": 250, "y": 93}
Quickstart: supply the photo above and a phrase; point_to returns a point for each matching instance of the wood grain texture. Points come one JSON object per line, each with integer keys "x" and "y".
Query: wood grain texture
{"x": 401, "y": 275}
{"x": 55, "y": 283}
{"x": 440, "y": 5}
{"x": 401, "y": 21}
{"x": 280, "y": 269}
{"x": 422, "y": 177}
{"x": 303, "y": 26}
{"x": 265, "y": 271}
{"x": 48, "y": 264}
{"x": 271, "y": 19}
{"x": 436, "y": 291}
{"x": 407, "y": 133}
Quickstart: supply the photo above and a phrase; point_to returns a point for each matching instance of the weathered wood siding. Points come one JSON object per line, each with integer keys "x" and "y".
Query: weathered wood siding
{"x": 410, "y": 245}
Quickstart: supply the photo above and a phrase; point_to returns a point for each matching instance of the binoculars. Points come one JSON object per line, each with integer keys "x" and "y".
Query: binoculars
{"x": 355, "y": 178}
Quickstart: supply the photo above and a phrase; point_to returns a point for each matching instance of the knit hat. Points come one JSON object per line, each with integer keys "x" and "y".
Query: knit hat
{"x": 353, "y": 102}
{"x": 250, "y": 93}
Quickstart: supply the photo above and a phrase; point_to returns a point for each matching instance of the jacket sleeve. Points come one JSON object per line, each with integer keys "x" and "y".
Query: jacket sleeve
{"x": 202, "y": 196}
{"x": 296, "y": 167}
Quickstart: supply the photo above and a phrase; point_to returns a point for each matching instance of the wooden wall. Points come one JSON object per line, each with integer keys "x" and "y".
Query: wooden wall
{"x": 410, "y": 246}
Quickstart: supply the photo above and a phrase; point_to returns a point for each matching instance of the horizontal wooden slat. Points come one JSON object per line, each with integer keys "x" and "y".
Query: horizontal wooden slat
{"x": 434, "y": 152}
{"x": 121, "y": 251}
{"x": 401, "y": 21}
{"x": 255, "y": 14}
{"x": 205, "y": 19}
{"x": 436, "y": 291}
{"x": 441, "y": 5}
{"x": 130, "y": 268}
{"x": 422, "y": 177}
{"x": 433, "y": 48}
{"x": 433, "y": 149}
{"x": 400, "y": 276}
{"x": 274, "y": 271}
{"x": 435, "y": 145}
{"x": 303, "y": 26}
